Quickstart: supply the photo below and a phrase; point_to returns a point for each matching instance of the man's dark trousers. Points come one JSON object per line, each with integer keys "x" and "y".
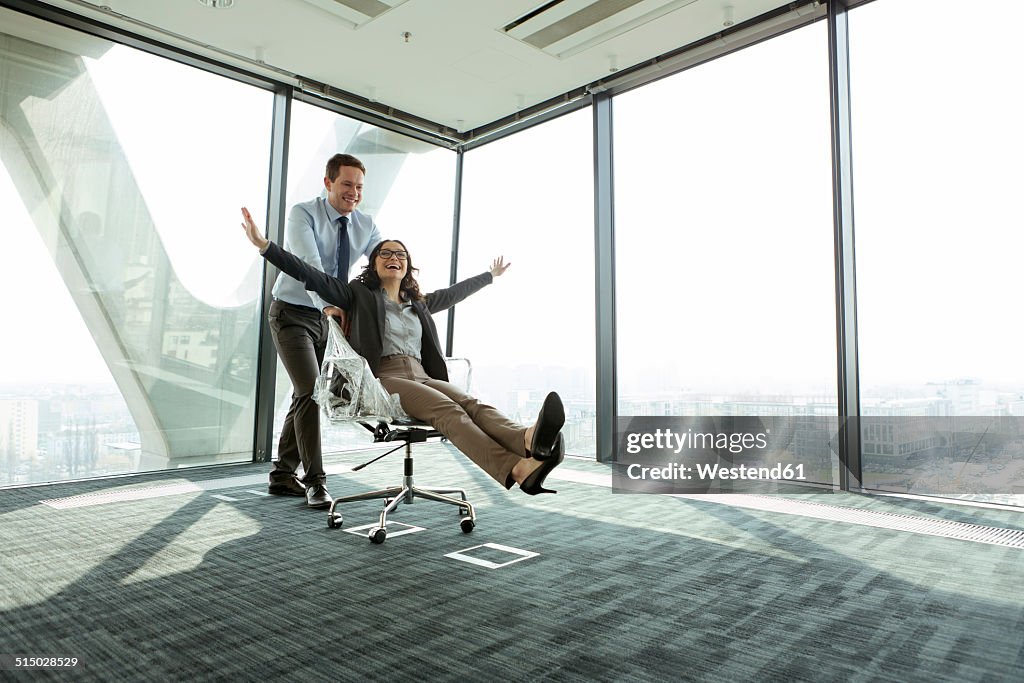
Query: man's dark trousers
{"x": 300, "y": 336}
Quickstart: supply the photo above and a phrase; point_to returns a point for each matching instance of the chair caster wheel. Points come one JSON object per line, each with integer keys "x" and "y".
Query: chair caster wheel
{"x": 377, "y": 535}
{"x": 334, "y": 520}
{"x": 467, "y": 525}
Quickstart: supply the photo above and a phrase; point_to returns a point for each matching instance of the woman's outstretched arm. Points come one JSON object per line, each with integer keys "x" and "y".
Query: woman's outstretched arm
{"x": 443, "y": 299}
{"x": 331, "y": 289}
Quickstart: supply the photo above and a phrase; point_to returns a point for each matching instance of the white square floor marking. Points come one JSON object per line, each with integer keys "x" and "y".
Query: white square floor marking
{"x": 363, "y": 530}
{"x": 521, "y": 555}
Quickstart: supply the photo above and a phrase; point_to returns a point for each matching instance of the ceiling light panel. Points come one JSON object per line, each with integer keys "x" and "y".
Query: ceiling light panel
{"x": 356, "y": 13}
{"x": 563, "y": 28}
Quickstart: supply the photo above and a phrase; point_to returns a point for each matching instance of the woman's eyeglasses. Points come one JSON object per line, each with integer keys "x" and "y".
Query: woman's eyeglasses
{"x": 387, "y": 253}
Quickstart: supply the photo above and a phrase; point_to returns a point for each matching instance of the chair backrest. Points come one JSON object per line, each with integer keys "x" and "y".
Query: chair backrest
{"x": 347, "y": 391}
{"x": 460, "y": 373}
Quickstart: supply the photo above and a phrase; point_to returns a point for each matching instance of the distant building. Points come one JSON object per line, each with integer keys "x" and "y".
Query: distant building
{"x": 19, "y": 431}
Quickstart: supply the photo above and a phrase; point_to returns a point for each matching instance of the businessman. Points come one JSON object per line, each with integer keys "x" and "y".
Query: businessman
{"x": 330, "y": 234}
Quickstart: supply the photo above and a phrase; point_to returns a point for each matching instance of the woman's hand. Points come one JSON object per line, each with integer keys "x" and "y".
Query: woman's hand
{"x": 252, "y": 232}
{"x": 498, "y": 266}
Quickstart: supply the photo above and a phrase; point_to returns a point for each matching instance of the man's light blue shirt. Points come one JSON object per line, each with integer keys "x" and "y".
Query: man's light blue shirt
{"x": 311, "y": 233}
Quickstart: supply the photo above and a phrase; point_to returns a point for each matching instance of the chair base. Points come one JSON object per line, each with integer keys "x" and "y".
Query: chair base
{"x": 407, "y": 493}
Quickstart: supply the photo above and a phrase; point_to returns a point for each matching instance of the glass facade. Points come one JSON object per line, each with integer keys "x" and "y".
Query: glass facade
{"x": 409, "y": 190}
{"x": 122, "y": 354}
{"x": 529, "y": 197}
{"x": 936, "y": 160}
{"x": 725, "y": 297}
{"x": 122, "y": 174}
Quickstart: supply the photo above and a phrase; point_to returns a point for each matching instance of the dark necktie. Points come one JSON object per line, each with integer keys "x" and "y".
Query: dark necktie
{"x": 342, "y": 255}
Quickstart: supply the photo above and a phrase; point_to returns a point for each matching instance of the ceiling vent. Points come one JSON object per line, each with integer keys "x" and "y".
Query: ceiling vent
{"x": 563, "y": 28}
{"x": 356, "y": 13}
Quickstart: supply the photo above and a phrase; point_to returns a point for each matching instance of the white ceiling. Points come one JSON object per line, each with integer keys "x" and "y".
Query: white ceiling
{"x": 458, "y": 67}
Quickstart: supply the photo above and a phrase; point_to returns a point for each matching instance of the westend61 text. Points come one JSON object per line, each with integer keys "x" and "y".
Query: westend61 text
{"x": 706, "y": 472}
{"x": 666, "y": 439}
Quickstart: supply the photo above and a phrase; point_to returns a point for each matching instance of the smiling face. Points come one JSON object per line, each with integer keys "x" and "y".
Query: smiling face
{"x": 346, "y": 190}
{"x": 392, "y": 268}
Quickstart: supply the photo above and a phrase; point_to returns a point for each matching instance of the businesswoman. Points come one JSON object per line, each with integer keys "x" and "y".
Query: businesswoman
{"x": 392, "y": 328}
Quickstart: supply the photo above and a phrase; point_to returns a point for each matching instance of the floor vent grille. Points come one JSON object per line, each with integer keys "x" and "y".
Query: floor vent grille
{"x": 1010, "y": 538}
{"x": 120, "y": 496}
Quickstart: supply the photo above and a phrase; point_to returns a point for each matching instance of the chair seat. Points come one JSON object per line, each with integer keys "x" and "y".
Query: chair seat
{"x": 408, "y": 430}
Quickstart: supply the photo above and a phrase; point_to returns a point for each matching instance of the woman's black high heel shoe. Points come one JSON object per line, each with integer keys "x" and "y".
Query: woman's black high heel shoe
{"x": 534, "y": 483}
{"x": 549, "y": 423}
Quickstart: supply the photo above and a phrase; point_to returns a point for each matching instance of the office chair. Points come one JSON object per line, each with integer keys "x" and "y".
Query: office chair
{"x": 347, "y": 391}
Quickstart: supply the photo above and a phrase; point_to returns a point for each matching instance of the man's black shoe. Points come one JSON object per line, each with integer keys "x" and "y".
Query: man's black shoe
{"x": 317, "y": 496}
{"x": 287, "y": 487}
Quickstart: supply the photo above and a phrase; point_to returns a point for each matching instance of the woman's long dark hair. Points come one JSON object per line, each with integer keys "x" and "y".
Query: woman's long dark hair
{"x": 409, "y": 287}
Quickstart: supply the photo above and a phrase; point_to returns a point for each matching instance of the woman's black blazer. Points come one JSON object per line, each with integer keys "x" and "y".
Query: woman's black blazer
{"x": 366, "y": 308}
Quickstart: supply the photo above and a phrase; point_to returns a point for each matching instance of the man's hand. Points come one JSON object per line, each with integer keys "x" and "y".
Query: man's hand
{"x": 340, "y": 315}
{"x": 498, "y": 266}
{"x": 252, "y": 232}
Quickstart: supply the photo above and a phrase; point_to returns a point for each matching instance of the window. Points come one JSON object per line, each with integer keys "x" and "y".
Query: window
{"x": 121, "y": 210}
{"x": 529, "y": 197}
{"x": 409, "y": 190}
{"x": 725, "y": 294}
{"x": 937, "y": 142}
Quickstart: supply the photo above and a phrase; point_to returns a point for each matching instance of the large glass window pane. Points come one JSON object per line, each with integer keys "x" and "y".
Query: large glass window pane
{"x": 131, "y": 342}
{"x": 409, "y": 190}
{"x": 530, "y": 198}
{"x": 937, "y": 149}
{"x": 724, "y": 243}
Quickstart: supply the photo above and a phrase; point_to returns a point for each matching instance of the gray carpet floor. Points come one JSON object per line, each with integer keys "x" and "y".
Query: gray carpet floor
{"x": 213, "y": 581}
